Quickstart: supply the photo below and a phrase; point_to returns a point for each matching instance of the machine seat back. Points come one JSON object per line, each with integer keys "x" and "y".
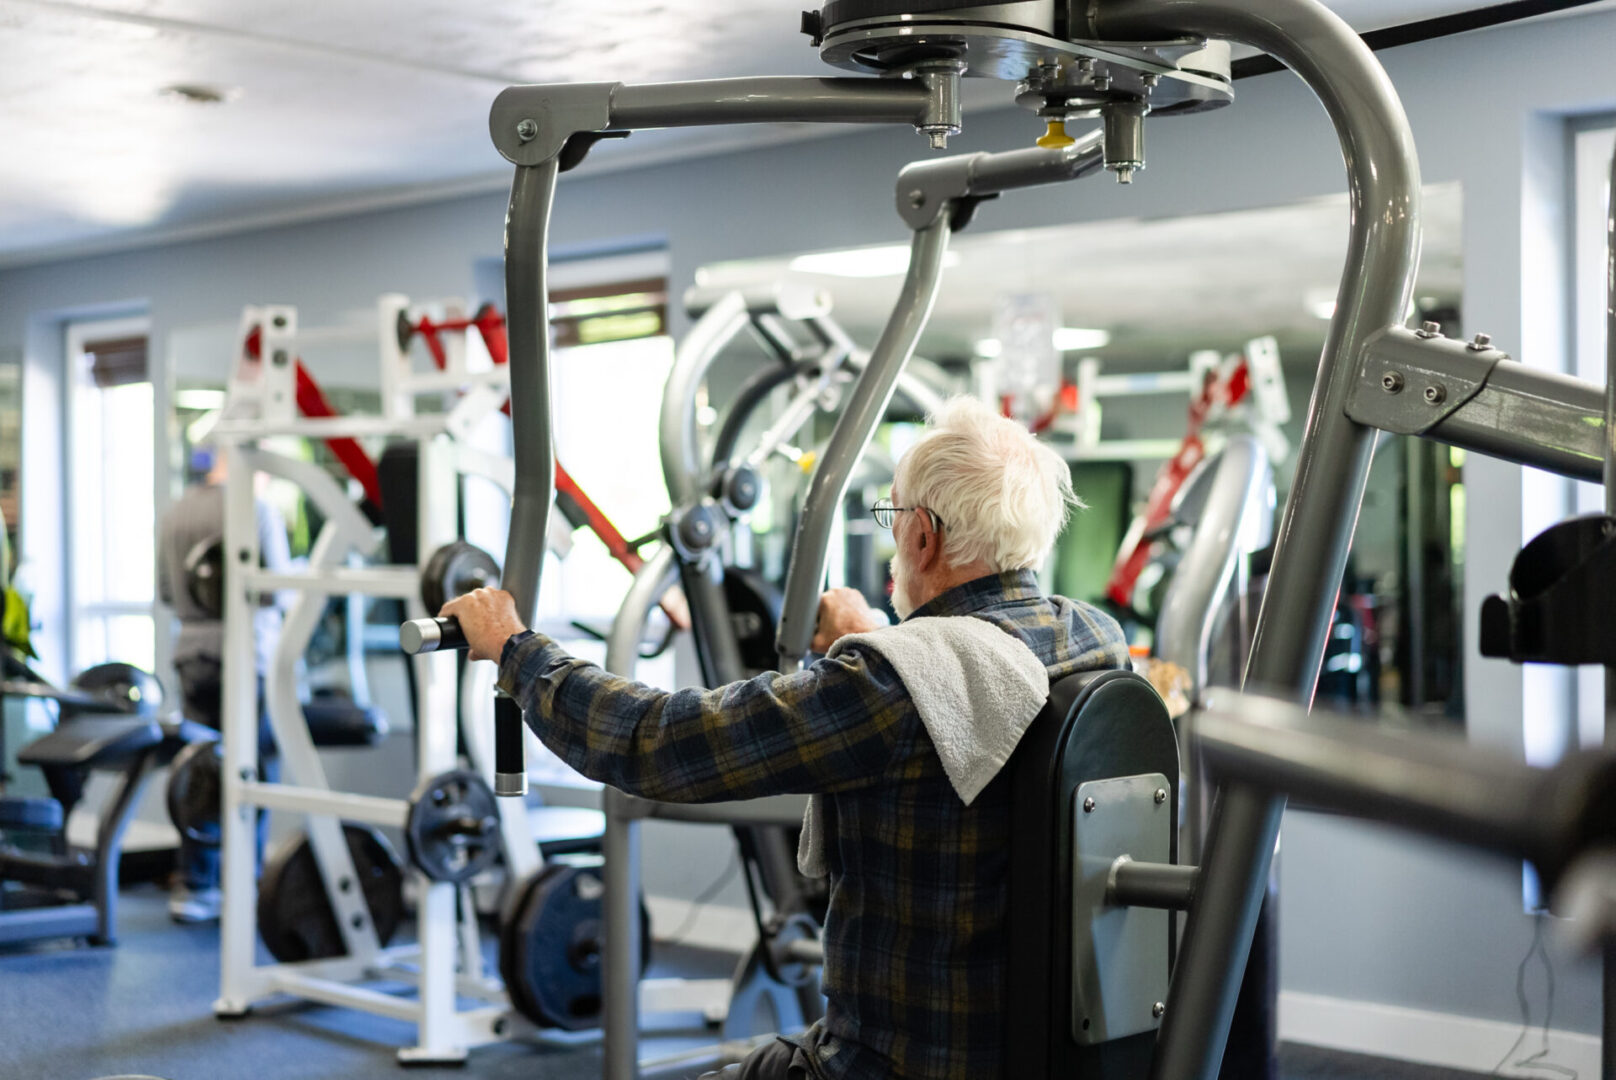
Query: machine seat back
{"x": 1097, "y": 725}
{"x": 93, "y": 742}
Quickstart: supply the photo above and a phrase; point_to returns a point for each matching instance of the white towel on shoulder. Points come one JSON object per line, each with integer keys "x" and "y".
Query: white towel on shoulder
{"x": 976, "y": 686}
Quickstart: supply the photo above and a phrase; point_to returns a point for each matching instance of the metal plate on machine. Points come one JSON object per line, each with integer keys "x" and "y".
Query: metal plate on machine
{"x": 1119, "y": 954}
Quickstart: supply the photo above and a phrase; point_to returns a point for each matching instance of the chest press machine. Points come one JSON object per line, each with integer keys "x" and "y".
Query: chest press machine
{"x": 1087, "y": 1017}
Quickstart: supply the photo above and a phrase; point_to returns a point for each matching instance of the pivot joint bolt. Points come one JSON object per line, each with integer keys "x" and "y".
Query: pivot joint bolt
{"x": 1436, "y": 394}
{"x": 1429, "y": 330}
{"x": 1392, "y": 382}
{"x": 1481, "y": 343}
{"x": 1088, "y": 806}
{"x": 527, "y": 130}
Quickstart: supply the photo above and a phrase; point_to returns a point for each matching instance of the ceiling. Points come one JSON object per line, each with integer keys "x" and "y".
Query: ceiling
{"x": 334, "y": 105}
{"x": 1160, "y": 288}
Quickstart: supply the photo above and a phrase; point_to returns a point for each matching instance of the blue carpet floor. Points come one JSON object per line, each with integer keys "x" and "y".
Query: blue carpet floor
{"x": 145, "y": 1007}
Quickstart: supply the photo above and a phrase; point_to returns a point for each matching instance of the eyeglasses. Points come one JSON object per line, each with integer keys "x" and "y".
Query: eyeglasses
{"x": 885, "y": 513}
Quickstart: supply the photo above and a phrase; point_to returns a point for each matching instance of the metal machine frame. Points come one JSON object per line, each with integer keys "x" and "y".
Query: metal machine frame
{"x": 1373, "y": 375}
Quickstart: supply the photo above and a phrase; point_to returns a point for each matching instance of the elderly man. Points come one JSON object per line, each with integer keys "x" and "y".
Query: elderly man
{"x": 898, "y": 733}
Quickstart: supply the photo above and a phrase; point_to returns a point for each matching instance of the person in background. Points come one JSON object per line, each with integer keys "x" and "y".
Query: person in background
{"x": 189, "y": 527}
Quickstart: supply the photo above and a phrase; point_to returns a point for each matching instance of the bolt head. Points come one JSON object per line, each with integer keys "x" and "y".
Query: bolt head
{"x": 1088, "y": 806}
{"x": 1436, "y": 394}
{"x": 526, "y": 129}
{"x": 1481, "y": 342}
{"x": 1430, "y": 329}
{"x": 1392, "y": 382}
{"x": 1161, "y": 796}
{"x": 917, "y": 198}
{"x": 1157, "y": 1009}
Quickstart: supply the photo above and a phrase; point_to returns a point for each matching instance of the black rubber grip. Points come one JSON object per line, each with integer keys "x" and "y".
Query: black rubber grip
{"x": 432, "y": 635}
{"x": 509, "y": 752}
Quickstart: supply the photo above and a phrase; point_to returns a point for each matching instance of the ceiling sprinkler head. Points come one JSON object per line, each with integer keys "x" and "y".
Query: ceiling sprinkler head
{"x": 199, "y": 93}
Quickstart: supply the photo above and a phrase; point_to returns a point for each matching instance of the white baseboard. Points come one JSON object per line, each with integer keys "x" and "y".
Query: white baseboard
{"x": 715, "y": 927}
{"x": 1429, "y": 1038}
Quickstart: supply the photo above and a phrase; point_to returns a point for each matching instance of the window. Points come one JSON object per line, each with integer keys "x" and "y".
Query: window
{"x": 111, "y": 516}
{"x": 1592, "y": 148}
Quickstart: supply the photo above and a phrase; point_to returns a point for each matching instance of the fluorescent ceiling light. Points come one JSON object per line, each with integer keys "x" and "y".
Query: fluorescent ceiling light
{"x": 1065, "y": 339}
{"x": 199, "y": 398}
{"x": 871, "y": 262}
{"x": 1320, "y": 303}
{"x": 1074, "y": 338}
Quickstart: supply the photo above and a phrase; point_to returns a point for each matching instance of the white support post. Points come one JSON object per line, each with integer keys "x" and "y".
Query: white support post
{"x": 278, "y": 353}
{"x": 436, "y": 731}
{"x": 239, "y": 877}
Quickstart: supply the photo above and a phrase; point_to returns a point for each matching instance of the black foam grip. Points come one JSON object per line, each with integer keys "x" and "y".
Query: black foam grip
{"x": 509, "y": 756}
{"x": 454, "y": 639}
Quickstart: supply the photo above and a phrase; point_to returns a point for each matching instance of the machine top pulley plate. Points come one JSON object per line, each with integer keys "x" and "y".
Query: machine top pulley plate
{"x": 1181, "y": 76}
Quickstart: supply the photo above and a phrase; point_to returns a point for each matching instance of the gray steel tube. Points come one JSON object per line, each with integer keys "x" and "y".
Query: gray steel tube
{"x": 1439, "y": 785}
{"x": 1153, "y": 885}
{"x": 527, "y": 299}
{"x": 865, "y": 407}
{"x": 620, "y": 943}
{"x": 1537, "y": 418}
{"x": 992, "y": 174}
{"x": 654, "y": 577}
{"x": 1189, "y": 612}
{"x": 769, "y": 100}
{"x": 683, "y": 466}
{"x": 527, "y": 228}
{"x": 1332, "y": 465}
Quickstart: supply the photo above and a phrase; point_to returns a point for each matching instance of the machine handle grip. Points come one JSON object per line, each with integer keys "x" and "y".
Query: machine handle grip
{"x": 510, "y": 762}
{"x": 431, "y": 635}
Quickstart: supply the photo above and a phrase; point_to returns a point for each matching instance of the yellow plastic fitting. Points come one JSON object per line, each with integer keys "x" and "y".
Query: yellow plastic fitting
{"x": 1056, "y": 136}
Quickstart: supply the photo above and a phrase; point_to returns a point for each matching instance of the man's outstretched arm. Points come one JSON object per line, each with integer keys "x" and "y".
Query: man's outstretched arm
{"x": 830, "y": 727}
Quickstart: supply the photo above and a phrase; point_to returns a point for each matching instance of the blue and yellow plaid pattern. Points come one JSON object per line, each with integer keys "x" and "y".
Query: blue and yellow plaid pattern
{"x": 916, "y": 934}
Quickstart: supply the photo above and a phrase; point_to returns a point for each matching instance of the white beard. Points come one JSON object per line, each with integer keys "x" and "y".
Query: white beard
{"x": 902, "y": 601}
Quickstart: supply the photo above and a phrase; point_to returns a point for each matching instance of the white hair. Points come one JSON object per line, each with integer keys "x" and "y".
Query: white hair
{"x": 1002, "y": 496}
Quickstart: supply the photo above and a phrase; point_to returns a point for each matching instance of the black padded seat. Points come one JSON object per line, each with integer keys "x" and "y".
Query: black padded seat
{"x": 566, "y": 830}
{"x": 44, "y": 815}
{"x": 338, "y": 721}
{"x": 1097, "y": 725}
{"x": 88, "y": 742}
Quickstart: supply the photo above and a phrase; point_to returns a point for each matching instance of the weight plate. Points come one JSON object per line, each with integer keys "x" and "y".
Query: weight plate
{"x": 204, "y": 576}
{"x": 295, "y": 917}
{"x": 195, "y": 791}
{"x": 455, "y": 569}
{"x": 550, "y": 938}
{"x": 452, "y": 832}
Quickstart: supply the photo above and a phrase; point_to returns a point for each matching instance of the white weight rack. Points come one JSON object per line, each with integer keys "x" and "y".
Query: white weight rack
{"x": 445, "y": 964}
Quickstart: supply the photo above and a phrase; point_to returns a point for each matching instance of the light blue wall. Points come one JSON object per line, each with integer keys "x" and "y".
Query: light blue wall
{"x": 1365, "y": 916}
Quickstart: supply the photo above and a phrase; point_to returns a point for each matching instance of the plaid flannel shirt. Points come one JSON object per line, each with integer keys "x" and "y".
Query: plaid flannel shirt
{"x": 916, "y": 934}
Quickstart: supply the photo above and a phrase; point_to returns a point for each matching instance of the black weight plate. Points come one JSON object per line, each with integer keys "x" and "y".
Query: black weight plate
{"x": 295, "y": 917}
{"x": 452, "y": 832}
{"x": 455, "y": 569}
{"x": 33, "y": 814}
{"x": 549, "y": 951}
{"x": 195, "y": 791}
{"x": 204, "y": 576}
